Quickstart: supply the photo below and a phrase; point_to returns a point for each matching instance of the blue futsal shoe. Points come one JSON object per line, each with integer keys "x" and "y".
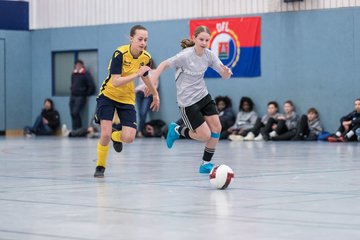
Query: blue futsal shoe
{"x": 172, "y": 135}
{"x": 206, "y": 168}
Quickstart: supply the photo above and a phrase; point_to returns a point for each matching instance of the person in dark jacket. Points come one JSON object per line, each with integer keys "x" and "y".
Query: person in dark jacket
{"x": 284, "y": 127}
{"x": 349, "y": 126}
{"x": 82, "y": 86}
{"x": 226, "y": 114}
{"x": 309, "y": 127}
{"x": 154, "y": 128}
{"x": 46, "y": 123}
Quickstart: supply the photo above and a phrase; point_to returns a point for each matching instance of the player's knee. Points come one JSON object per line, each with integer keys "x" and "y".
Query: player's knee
{"x": 126, "y": 138}
{"x": 105, "y": 138}
{"x": 216, "y": 129}
{"x": 206, "y": 137}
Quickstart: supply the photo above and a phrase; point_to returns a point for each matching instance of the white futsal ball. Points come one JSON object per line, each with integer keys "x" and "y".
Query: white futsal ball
{"x": 221, "y": 176}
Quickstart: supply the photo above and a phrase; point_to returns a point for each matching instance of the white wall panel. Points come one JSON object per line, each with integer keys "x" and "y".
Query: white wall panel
{"x": 248, "y": 7}
{"x": 71, "y": 13}
{"x": 316, "y": 4}
{"x": 233, "y": 7}
{"x": 334, "y": 3}
{"x": 193, "y": 8}
{"x": 230, "y": 6}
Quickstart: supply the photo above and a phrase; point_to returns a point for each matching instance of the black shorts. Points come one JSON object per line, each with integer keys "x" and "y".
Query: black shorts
{"x": 193, "y": 116}
{"x": 106, "y": 107}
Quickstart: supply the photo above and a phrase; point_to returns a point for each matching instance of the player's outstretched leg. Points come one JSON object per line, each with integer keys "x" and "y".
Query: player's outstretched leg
{"x": 172, "y": 134}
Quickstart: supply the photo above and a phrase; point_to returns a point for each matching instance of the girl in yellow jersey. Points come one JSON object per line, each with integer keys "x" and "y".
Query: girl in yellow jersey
{"x": 118, "y": 92}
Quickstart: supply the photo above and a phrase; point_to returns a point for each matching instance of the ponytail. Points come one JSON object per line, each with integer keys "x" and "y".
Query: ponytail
{"x": 185, "y": 43}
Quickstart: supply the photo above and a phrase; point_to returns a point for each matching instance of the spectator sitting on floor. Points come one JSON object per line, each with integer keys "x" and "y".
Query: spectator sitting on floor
{"x": 284, "y": 128}
{"x": 46, "y": 123}
{"x": 245, "y": 120}
{"x": 309, "y": 127}
{"x": 272, "y": 112}
{"x": 92, "y": 131}
{"x": 226, "y": 114}
{"x": 154, "y": 128}
{"x": 358, "y": 134}
{"x": 349, "y": 126}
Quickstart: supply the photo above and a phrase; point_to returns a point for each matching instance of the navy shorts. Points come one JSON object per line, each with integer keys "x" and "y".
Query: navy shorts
{"x": 193, "y": 116}
{"x": 106, "y": 107}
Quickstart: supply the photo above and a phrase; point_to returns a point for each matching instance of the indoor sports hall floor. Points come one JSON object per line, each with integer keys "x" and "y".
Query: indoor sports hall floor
{"x": 282, "y": 190}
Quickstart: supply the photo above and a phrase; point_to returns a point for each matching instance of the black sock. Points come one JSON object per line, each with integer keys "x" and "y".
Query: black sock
{"x": 208, "y": 154}
{"x": 184, "y": 131}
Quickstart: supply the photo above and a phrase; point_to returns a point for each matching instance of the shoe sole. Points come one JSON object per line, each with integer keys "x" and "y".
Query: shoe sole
{"x": 100, "y": 176}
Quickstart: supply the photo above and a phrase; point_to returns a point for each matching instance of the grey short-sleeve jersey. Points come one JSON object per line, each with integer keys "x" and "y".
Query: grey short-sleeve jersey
{"x": 190, "y": 70}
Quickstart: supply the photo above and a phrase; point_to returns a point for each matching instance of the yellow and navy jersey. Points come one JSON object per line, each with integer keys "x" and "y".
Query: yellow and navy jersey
{"x": 123, "y": 63}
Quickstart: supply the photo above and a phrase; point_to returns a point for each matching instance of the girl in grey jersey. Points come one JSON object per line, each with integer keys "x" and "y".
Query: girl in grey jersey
{"x": 190, "y": 70}
{"x": 196, "y": 106}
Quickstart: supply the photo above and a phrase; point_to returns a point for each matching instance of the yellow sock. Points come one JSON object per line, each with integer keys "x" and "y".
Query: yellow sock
{"x": 116, "y": 136}
{"x": 102, "y": 154}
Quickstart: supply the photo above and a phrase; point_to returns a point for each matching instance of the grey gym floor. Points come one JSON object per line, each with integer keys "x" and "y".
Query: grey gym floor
{"x": 281, "y": 190}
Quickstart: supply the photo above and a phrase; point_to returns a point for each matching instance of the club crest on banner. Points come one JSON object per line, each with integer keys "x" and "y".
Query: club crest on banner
{"x": 225, "y": 44}
{"x": 236, "y": 41}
